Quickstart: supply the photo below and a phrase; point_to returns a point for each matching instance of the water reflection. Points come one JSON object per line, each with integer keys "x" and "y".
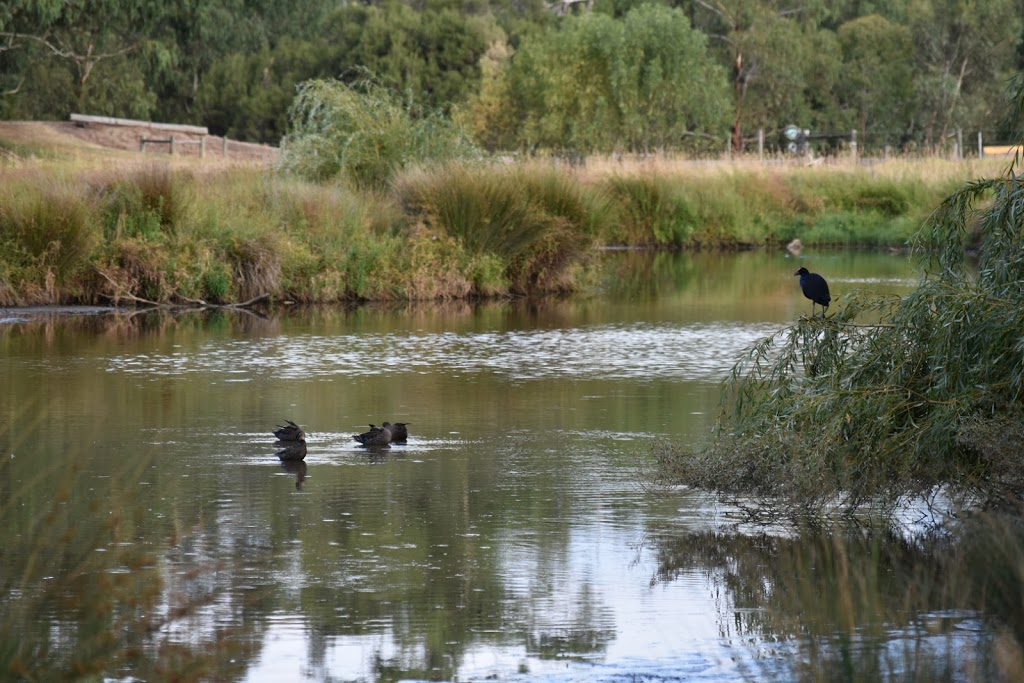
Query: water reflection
{"x": 298, "y": 469}
{"x": 637, "y": 351}
{"x": 508, "y": 538}
{"x": 871, "y": 601}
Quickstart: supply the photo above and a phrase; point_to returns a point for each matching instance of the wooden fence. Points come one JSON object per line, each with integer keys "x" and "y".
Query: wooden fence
{"x": 177, "y": 139}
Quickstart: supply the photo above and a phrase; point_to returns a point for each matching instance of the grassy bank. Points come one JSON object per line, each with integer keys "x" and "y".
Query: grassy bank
{"x": 75, "y": 233}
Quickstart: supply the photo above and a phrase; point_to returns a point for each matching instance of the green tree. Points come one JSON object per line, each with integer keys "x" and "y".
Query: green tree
{"x": 434, "y": 53}
{"x": 86, "y": 36}
{"x": 600, "y": 84}
{"x": 664, "y": 86}
{"x": 783, "y": 64}
{"x": 841, "y": 11}
{"x": 965, "y": 53}
{"x": 877, "y": 77}
{"x": 247, "y": 96}
{"x": 364, "y": 134}
{"x": 488, "y": 114}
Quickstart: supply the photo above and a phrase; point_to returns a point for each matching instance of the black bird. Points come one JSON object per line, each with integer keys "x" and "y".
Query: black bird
{"x": 293, "y": 452}
{"x": 815, "y": 288}
{"x": 289, "y": 433}
{"x": 377, "y": 437}
{"x": 398, "y": 431}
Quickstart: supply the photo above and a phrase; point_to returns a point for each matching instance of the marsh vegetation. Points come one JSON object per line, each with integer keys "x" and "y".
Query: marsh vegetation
{"x": 463, "y": 229}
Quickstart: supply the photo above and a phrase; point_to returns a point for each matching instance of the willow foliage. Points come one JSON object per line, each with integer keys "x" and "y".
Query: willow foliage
{"x": 364, "y": 134}
{"x": 923, "y": 402}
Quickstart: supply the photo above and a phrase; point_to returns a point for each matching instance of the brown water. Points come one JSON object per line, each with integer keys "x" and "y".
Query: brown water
{"x": 510, "y": 538}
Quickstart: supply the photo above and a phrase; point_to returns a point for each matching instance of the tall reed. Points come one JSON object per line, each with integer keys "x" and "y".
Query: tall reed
{"x": 165, "y": 234}
{"x": 536, "y": 223}
{"x": 47, "y": 229}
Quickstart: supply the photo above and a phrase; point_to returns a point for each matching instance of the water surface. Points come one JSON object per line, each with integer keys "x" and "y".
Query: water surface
{"x": 511, "y": 538}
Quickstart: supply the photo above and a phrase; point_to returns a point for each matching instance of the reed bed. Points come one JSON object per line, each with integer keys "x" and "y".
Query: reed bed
{"x": 183, "y": 234}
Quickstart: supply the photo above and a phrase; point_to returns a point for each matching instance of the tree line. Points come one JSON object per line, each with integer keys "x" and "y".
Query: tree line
{"x": 529, "y": 75}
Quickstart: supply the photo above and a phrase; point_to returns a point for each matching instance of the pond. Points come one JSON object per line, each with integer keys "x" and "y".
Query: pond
{"x": 512, "y": 538}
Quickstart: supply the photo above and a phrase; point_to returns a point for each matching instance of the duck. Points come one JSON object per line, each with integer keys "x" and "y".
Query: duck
{"x": 289, "y": 432}
{"x": 377, "y": 437}
{"x": 293, "y": 452}
{"x": 398, "y": 431}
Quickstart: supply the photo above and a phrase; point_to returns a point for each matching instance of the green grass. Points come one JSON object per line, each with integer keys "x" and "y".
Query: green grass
{"x": 533, "y": 220}
{"x": 455, "y": 230}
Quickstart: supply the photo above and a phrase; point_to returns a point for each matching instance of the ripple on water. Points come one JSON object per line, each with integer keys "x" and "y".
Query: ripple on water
{"x": 699, "y": 351}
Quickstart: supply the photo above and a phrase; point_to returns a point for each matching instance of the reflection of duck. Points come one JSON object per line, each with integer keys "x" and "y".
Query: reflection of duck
{"x": 398, "y": 431}
{"x": 298, "y": 468}
{"x": 293, "y": 452}
{"x": 289, "y": 432}
{"x": 377, "y": 437}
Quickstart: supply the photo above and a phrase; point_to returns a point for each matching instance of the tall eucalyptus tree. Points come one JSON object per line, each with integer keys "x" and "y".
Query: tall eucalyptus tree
{"x": 782, "y": 64}
{"x": 101, "y": 46}
{"x": 965, "y": 53}
{"x": 877, "y": 82}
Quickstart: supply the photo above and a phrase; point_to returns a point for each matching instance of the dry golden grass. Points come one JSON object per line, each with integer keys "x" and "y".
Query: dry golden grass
{"x": 49, "y": 143}
{"x": 61, "y": 143}
{"x": 926, "y": 169}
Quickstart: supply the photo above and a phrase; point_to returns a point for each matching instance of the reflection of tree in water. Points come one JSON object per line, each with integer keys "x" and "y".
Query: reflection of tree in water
{"x": 101, "y": 326}
{"x": 586, "y": 630}
{"x": 870, "y": 602}
{"x": 99, "y": 605}
{"x": 422, "y": 607}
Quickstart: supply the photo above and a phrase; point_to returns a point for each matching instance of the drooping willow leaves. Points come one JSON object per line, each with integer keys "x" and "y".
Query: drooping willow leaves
{"x": 889, "y": 399}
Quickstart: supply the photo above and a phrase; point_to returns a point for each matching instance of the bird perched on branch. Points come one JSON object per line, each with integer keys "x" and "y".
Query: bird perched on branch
{"x": 815, "y": 288}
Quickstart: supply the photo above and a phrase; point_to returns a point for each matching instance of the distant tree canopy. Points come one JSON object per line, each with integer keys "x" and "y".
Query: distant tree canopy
{"x": 625, "y": 75}
{"x": 598, "y": 83}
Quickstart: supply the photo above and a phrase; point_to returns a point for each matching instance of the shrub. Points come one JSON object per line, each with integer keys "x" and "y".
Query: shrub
{"x": 363, "y": 134}
{"x": 651, "y": 210}
{"x": 145, "y": 202}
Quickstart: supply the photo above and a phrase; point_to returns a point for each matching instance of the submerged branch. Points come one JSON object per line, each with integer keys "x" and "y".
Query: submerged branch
{"x": 190, "y": 303}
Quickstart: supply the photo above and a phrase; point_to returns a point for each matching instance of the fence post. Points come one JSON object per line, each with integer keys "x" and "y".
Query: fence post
{"x": 959, "y": 144}
{"x": 853, "y": 145}
{"x": 981, "y": 147}
{"x": 760, "y": 144}
{"x": 172, "y": 145}
{"x": 202, "y": 147}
